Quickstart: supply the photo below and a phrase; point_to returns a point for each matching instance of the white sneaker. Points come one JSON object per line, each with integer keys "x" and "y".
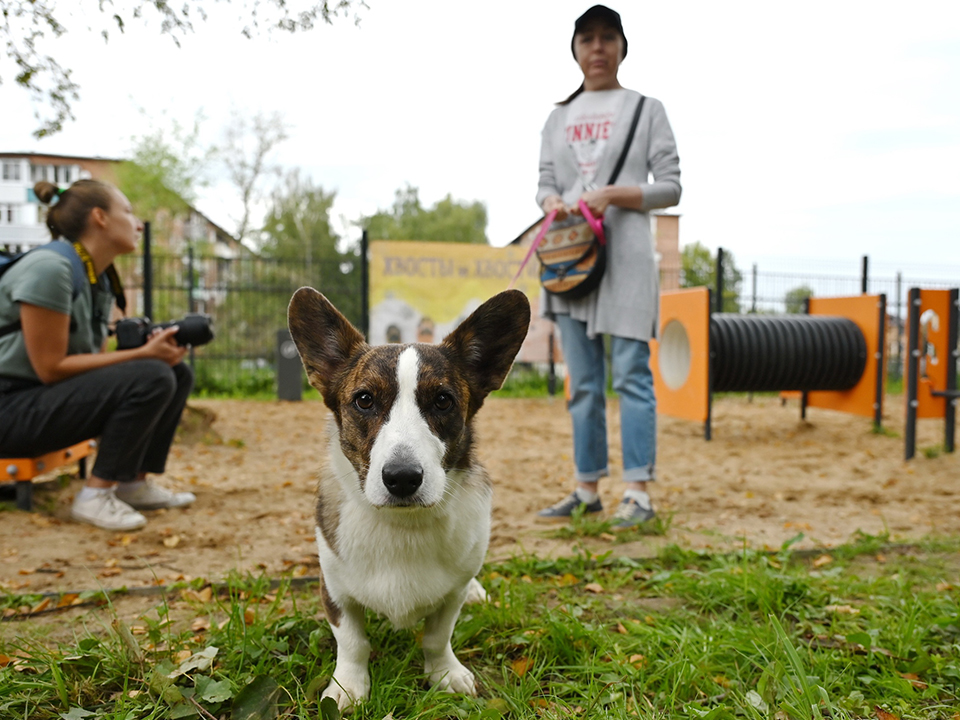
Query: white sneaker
{"x": 144, "y": 495}
{"x": 107, "y": 511}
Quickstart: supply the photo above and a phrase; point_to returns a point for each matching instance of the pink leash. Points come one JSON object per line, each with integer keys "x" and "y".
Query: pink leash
{"x": 544, "y": 226}
{"x": 595, "y": 225}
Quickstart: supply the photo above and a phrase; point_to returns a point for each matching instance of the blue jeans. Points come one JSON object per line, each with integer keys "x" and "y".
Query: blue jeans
{"x": 633, "y": 382}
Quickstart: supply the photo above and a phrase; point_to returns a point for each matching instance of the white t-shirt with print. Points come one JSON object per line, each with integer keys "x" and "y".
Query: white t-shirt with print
{"x": 590, "y": 120}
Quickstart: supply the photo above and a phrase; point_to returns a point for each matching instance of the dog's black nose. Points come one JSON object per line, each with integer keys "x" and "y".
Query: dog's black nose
{"x": 402, "y": 478}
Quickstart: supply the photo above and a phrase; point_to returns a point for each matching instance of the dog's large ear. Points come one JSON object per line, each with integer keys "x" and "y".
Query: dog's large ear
{"x": 324, "y": 338}
{"x": 487, "y": 342}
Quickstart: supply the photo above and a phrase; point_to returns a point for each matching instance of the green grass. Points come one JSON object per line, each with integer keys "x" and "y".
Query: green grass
{"x": 684, "y": 635}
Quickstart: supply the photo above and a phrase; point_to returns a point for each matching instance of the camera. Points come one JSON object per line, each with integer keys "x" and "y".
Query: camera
{"x": 194, "y": 329}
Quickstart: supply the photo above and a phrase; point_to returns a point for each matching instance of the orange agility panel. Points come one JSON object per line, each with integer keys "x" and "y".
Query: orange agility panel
{"x": 867, "y": 312}
{"x": 680, "y": 359}
{"x": 934, "y": 363}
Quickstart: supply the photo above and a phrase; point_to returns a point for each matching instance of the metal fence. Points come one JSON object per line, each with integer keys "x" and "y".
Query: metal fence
{"x": 777, "y": 291}
{"x": 246, "y": 299}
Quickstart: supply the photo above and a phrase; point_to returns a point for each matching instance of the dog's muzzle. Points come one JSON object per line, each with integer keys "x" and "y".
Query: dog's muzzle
{"x": 402, "y": 478}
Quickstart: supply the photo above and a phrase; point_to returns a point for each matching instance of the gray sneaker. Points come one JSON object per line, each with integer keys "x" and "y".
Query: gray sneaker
{"x": 630, "y": 513}
{"x": 564, "y": 509}
{"x": 148, "y": 496}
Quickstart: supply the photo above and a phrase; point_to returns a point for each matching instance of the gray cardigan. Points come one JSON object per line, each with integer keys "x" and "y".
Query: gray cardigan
{"x": 627, "y": 302}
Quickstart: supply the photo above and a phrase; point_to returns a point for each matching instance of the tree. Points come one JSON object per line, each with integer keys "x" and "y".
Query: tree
{"x": 699, "y": 268}
{"x": 795, "y": 298}
{"x": 26, "y": 24}
{"x": 165, "y": 170}
{"x": 246, "y": 150}
{"x": 447, "y": 221}
{"x": 298, "y": 235}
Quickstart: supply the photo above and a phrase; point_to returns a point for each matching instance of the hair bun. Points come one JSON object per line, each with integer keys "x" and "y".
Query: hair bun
{"x": 46, "y": 191}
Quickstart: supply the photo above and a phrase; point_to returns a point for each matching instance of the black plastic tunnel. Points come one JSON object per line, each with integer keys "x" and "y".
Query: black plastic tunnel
{"x": 756, "y": 353}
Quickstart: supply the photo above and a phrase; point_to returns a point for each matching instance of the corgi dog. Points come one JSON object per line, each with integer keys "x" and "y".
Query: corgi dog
{"x": 403, "y": 506}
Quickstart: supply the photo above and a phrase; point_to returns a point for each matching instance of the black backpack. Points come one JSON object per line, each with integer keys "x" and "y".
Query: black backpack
{"x": 61, "y": 247}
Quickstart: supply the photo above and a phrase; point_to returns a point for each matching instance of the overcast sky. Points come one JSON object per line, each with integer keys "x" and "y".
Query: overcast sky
{"x": 807, "y": 131}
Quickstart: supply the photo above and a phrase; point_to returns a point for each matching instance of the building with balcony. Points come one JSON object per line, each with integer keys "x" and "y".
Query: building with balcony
{"x": 22, "y": 216}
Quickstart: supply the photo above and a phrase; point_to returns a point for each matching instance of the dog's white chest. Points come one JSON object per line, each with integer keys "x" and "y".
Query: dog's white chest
{"x": 405, "y": 570}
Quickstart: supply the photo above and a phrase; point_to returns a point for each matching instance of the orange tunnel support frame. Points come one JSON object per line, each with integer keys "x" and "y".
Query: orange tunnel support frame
{"x": 682, "y": 358}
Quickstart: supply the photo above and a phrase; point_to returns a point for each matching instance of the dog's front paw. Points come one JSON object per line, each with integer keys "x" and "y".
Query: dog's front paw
{"x": 453, "y": 678}
{"x": 348, "y": 688}
{"x": 475, "y": 592}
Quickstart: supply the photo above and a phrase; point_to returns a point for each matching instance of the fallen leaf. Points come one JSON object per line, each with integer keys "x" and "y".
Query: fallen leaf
{"x": 111, "y": 563}
{"x": 4, "y": 660}
{"x": 595, "y": 588}
{"x": 521, "y": 665}
{"x": 621, "y": 629}
{"x": 27, "y": 571}
{"x": 914, "y": 680}
{"x": 200, "y": 624}
{"x": 884, "y": 715}
{"x": 609, "y": 537}
{"x": 568, "y": 579}
{"x": 822, "y": 560}
{"x": 172, "y": 541}
{"x": 182, "y": 656}
{"x": 842, "y": 609}
{"x": 69, "y": 599}
{"x": 249, "y": 617}
{"x": 944, "y": 587}
{"x": 109, "y": 572}
{"x": 638, "y": 660}
{"x": 42, "y": 605}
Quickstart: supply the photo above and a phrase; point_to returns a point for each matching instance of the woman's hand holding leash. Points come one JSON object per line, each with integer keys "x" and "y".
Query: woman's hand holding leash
{"x": 555, "y": 203}
{"x": 596, "y": 200}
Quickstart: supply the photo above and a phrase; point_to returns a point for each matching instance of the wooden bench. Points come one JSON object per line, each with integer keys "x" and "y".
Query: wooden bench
{"x": 24, "y": 470}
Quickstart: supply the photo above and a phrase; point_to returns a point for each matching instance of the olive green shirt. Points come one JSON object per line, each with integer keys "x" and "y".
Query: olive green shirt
{"x": 45, "y": 279}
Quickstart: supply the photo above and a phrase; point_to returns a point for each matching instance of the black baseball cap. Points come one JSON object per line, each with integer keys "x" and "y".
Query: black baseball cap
{"x": 602, "y": 14}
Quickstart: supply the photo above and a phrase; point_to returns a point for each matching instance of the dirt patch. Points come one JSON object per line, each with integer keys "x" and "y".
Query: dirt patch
{"x": 766, "y": 476}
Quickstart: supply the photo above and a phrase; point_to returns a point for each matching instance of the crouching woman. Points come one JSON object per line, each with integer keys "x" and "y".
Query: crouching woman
{"x": 59, "y": 387}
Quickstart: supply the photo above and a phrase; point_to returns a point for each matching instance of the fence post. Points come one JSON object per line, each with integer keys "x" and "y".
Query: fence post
{"x": 719, "y": 304}
{"x": 864, "y": 275}
{"x": 147, "y": 272}
{"x": 753, "y": 301}
{"x": 551, "y": 368}
{"x": 899, "y": 327}
{"x": 289, "y": 368}
{"x": 365, "y": 285}
{"x": 191, "y": 302}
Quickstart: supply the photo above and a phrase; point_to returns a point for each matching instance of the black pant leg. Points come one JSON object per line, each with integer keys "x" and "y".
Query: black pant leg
{"x": 121, "y": 405}
{"x": 155, "y": 459}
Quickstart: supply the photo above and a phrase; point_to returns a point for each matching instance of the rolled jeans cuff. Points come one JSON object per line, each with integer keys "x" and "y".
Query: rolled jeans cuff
{"x": 639, "y": 474}
{"x": 593, "y": 476}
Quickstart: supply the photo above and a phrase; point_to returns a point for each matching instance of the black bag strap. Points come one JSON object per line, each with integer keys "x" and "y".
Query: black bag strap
{"x": 626, "y": 146}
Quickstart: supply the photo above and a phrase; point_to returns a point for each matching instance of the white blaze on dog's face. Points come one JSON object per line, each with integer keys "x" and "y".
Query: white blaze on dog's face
{"x": 407, "y": 456}
{"x": 403, "y": 412}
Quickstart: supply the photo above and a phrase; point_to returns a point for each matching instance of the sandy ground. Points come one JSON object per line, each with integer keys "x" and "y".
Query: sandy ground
{"x": 766, "y": 476}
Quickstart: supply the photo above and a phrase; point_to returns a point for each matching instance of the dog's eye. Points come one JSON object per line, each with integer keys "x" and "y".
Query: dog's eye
{"x": 363, "y": 400}
{"x": 443, "y": 402}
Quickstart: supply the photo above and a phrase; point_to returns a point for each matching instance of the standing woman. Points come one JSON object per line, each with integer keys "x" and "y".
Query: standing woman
{"x": 582, "y": 140}
{"x": 58, "y": 388}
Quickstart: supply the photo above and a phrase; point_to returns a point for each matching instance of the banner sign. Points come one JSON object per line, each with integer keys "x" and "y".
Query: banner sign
{"x": 420, "y": 291}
